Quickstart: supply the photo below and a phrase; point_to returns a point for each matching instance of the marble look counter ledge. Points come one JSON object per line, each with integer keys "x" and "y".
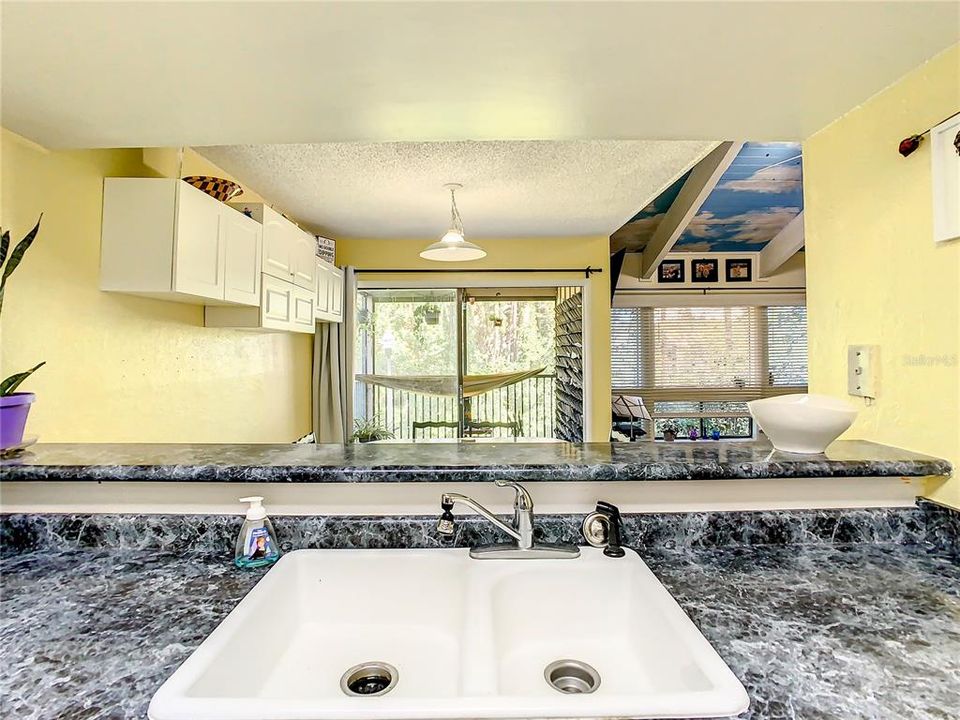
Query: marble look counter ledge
{"x": 459, "y": 462}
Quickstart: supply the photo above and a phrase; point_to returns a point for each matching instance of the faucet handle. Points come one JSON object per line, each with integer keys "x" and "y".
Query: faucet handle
{"x": 615, "y": 533}
{"x": 446, "y": 523}
{"x": 522, "y": 500}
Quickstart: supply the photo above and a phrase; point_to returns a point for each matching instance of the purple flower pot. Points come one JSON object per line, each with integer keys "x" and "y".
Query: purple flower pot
{"x": 13, "y": 418}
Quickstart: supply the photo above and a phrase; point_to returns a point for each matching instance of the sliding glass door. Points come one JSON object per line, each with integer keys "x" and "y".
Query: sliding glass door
{"x": 509, "y": 352}
{"x": 406, "y": 361}
{"x": 434, "y": 364}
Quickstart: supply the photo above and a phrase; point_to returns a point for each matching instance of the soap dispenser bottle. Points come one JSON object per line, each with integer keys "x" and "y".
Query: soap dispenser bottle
{"x": 257, "y": 543}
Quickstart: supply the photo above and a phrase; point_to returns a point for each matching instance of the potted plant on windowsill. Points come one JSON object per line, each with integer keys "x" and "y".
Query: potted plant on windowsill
{"x": 14, "y": 406}
{"x": 369, "y": 431}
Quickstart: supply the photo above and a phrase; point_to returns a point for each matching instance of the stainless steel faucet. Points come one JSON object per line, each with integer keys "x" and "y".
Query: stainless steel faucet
{"x": 521, "y": 530}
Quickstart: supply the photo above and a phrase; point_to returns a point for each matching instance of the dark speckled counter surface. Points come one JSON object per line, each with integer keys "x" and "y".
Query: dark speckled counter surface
{"x": 460, "y": 462}
{"x": 824, "y": 615}
{"x": 863, "y": 633}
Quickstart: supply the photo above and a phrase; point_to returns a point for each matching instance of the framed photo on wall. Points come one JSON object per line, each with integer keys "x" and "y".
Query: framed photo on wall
{"x": 705, "y": 270}
{"x": 945, "y": 174}
{"x": 671, "y": 271}
{"x": 739, "y": 270}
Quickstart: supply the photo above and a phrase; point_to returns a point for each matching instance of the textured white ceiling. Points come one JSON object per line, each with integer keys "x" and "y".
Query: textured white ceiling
{"x": 511, "y": 189}
{"x": 133, "y": 74}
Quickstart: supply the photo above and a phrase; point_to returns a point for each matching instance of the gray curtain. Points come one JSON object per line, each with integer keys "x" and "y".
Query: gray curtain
{"x": 329, "y": 422}
{"x": 333, "y": 371}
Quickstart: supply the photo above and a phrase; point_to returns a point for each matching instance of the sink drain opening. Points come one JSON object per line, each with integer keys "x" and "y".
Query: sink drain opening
{"x": 572, "y": 677}
{"x": 369, "y": 679}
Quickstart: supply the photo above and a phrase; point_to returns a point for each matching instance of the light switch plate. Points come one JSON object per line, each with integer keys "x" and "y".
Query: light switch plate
{"x": 862, "y": 370}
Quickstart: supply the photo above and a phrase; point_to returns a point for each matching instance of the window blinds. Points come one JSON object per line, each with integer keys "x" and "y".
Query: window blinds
{"x": 709, "y": 353}
{"x": 787, "y": 345}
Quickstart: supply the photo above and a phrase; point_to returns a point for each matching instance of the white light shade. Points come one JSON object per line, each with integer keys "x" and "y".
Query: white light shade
{"x": 453, "y": 236}
{"x": 453, "y": 248}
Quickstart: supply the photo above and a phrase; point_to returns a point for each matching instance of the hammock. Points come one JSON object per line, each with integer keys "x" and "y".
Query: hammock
{"x": 447, "y": 384}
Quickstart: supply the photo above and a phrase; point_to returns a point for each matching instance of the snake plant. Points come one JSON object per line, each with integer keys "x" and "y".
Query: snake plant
{"x": 9, "y": 264}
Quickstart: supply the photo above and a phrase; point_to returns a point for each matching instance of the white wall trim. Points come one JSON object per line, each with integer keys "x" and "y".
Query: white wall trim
{"x": 423, "y": 498}
{"x": 784, "y": 245}
{"x": 698, "y": 298}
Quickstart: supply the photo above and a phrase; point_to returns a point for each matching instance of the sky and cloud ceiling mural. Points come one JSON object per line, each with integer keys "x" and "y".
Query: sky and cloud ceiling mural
{"x": 756, "y": 197}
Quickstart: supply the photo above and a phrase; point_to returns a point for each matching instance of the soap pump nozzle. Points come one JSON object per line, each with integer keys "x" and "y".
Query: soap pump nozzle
{"x": 256, "y": 511}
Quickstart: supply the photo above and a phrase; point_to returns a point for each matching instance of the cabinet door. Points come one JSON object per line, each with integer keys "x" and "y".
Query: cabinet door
{"x": 303, "y": 313}
{"x": 242, "y": 238}
{"x": 305, "y": 260}
{"x": 198, "y": 245}
{"x": 277, "y": 245}
{"x": 276, "y": 306}
{"x": 336, "y": 295}
{"x": 323, "y": 291}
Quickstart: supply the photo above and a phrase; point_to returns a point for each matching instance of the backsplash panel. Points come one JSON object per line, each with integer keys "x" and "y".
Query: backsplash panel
{"x": 942, "y": 526}
{"x": 927, "y": 524}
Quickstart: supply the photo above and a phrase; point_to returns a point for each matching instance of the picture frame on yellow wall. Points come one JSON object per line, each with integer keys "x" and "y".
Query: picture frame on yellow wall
{"x": 945, "y": 178}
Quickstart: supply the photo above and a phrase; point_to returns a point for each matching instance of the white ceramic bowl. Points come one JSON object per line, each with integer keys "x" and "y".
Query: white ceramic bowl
{"x": 802, "y": 423}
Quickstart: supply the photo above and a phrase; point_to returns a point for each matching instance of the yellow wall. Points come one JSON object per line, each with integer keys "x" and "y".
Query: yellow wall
{"x": 171, "y": 162}
{"x": 874, "y": 274}
{"x": 519, "y": 253}
{"x": 122, "y": 368}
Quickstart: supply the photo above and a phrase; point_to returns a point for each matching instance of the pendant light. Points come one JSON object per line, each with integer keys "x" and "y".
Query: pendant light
{"x": 453, "y": 246}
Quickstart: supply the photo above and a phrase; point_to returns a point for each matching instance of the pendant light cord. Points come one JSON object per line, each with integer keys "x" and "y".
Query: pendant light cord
{"x": 455, "y": 220}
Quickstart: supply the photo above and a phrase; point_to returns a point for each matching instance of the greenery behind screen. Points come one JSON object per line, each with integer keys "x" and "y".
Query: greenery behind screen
{"x": 418, "y": 337}
{"x": 405, "y": 344}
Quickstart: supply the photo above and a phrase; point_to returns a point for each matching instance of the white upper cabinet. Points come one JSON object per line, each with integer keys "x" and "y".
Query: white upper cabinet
{"x": 322, "y": 305}
{"x": 276, "y": 312}
{"x": 198, "y": 248}
{"x": 303, "y": 313}
{"x": 164, "y": 238}
{"x": 288, "y": 291}
{"x": 305, "y": 259}
{"x": 336, "y": 295}
{"x": 278, "y": 258}
{"x": 289, "y": 253}
{"x": 243, "y": 239}
{"x": 329, "y": 305}
{"x": 283, "y": 306}
{"x": 255, "y": 269}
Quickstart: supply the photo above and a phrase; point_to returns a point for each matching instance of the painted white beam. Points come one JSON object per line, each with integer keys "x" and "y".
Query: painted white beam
{"x": 784, "y": 246}
{"x": 704, "y": 177}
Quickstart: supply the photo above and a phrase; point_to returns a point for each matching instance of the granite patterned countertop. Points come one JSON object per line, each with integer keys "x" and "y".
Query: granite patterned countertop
{"x": 460, "y": 462}
{"x": 869, "y": 632}
{"x": 826, "y": 615}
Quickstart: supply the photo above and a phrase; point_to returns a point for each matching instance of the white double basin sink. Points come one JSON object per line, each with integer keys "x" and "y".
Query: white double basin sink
{"x": 452, "y": 637}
